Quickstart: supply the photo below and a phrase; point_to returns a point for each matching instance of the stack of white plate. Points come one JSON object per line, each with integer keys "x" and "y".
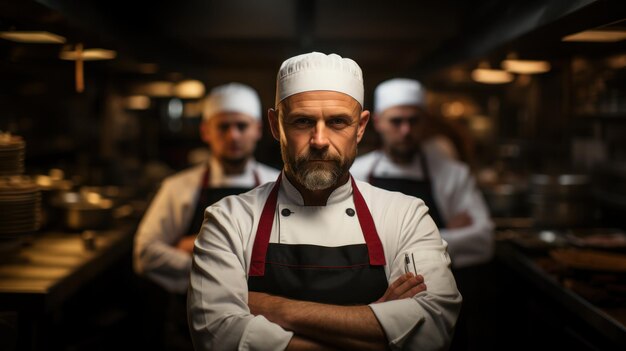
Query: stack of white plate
{"x": 12, "y": 149}
{"x": 20, "y": 206}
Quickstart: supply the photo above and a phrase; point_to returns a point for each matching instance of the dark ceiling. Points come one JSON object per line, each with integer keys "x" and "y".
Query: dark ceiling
{"x": 194, "y": 37}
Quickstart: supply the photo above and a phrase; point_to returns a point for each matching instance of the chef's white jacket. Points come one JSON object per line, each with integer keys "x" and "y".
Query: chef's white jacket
{"x": 217, "y": 302}
{"x": 454, "y": 191}
{"x": 169, "y": 215}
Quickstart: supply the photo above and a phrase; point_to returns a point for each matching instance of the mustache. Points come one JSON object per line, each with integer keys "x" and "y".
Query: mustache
{"x": 323, "y": 155}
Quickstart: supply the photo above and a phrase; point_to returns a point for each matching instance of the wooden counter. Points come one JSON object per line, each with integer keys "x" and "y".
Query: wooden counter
{"x": 40, "y": 277}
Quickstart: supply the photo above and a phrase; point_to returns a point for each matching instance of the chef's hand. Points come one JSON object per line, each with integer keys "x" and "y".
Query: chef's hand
{"x": 186, "y": 244}
{"x": 407, "y": 285}
{"x": 459, "y": 220}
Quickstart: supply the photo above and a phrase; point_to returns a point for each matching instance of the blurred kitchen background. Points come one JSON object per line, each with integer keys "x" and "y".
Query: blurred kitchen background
{"x": 99, "y": 100}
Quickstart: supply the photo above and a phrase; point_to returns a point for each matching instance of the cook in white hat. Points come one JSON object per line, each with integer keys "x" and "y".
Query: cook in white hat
{"x": 231, "y": 127}
{"x": 232, "y": 98}
{"x": 414, "y": 165}
{"x": 399, "y": 92}
{"x": 307, "y": 261}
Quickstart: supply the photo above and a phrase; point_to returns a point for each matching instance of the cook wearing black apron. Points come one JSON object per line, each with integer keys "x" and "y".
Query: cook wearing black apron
{"x": 343, "y": 275}
{"x": 422, "y": 189}
{"x": 178, "y": 334}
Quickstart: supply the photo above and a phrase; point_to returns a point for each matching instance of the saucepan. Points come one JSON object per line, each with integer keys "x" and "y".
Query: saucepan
{"x": 505, "y": 199}
{"x": 83, "y": 210}
{"x": 561, "y": 200}
{"x": 51, "y": 186}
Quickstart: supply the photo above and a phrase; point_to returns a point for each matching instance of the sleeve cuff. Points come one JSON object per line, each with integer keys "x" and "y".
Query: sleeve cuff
{"x": 261, "y": 334}
{"x": 398, "y": 319}
{"x": 181, "y": 260}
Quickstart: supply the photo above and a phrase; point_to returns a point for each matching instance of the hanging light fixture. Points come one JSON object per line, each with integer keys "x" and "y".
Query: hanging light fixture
{"x": 137, "y": 102}
{"x": 487, "y": 75}
{"x": 88, "y": 54}
{"x": 189, "y": 89}
{"x": 514, "y": 65}
{"x": 79, "y": 55}
{"x": 32, "y": 37}
{"x": 597, "y": 36}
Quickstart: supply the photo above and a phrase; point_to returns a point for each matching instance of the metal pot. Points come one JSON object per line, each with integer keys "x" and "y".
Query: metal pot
{"x": 560, "y": 186}
{"x": 505, "y": 200}
{"x": 561, "y": 200}
{"x": 51, "y": 185}
{"x": 119, "y": 195}
{"x": 83, "y": 210}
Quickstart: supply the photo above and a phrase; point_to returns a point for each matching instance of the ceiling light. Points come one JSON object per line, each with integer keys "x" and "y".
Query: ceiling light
{"x": 491, "y": 76}
{"x": 137, "y": 102}
{"x": 88, "y": 55}
{"x": 155, "y": 89}
{"x": 453, "y": 109}
{"x": 526, "y": 66}
{"x": 34, "y": 37}
{"x": 595, "y": 35}
{"x": 189, "y": 89}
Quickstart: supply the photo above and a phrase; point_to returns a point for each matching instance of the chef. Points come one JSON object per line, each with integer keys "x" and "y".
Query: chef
{"x": 416, "y": 166}
{"x": 231, "y": 127}
{"x": 317, "y": 259}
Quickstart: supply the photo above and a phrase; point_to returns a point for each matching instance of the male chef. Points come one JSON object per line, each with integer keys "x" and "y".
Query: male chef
{"x": 317, "y": 260}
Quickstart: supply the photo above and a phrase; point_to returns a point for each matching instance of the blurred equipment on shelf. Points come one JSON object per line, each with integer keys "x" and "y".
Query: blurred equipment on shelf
{"x": 561, "y": 200}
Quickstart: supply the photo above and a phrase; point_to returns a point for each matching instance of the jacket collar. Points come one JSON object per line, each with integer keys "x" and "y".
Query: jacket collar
{"x": 290, "y": 194}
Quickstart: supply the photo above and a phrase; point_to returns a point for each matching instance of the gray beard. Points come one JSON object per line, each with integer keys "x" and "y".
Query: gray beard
{"x": 315, "y": 177}
{"x": 319, "y": 178}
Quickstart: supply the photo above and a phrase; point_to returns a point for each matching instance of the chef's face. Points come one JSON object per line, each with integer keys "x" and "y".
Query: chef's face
{"x": 318, "y": 133}
{"x": 401, "y": 129}
{"x": 232, "y": 137}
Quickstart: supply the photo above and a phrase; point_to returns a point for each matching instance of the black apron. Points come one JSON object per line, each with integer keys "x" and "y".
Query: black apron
{"x": 209, "y": 196}
{"x": 422, "y": 189}
{"x": 344, "y": 275}
{"x": 176, "y": 334}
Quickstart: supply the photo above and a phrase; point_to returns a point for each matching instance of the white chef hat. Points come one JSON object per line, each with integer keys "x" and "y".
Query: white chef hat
{"x": 318, "y": 71}
{"x": 232, "y": 97}
{"x": 398, "y": 92}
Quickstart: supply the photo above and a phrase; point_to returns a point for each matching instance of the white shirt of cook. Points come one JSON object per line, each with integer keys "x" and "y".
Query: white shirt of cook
{"x": 454, "y": 191}
{"x": 218, "y": 310}
{"x": 168, "y": 217}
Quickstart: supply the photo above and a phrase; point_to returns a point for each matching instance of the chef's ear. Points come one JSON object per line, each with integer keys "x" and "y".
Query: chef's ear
{"x": 272, "y": 116}
{"x": 364, "y": 118}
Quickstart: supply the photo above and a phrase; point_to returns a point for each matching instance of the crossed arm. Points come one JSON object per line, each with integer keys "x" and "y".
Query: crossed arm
{"x": 319, "y": 326}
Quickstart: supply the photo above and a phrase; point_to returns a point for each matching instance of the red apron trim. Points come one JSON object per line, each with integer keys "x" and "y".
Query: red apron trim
{"x": 374, "y": 245}
{"x": 264, "y": 230}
